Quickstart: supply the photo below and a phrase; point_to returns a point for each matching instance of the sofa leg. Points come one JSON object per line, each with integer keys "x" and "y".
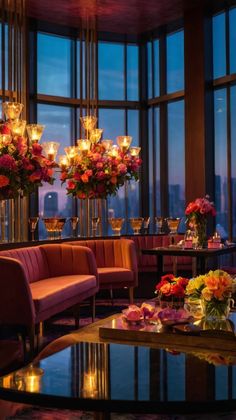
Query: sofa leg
{"x": 111, "y": 297}
{"x": 32, "y": 340}
{"x": 76, "y": 312}
{"x": 93, "y": 307}
{"x": 131, "y": 295}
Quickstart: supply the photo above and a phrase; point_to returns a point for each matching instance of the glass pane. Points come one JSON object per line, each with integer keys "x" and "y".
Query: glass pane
{"x": 53, "y": 200}
{"x": 132, "y": 73}
{"x": 149, "y": 69}
{"x": 219, "y": 46}
{"x": 6, "y": 57}
{"x": 111, "y": 71}
{"x": 157, "y": 159}
{"x": 232, "y": 40}
{"x": 221, "y": 190}
{"x": 176, "y": 159}
{"x": 233, "y": 154}
{"x": 133, "y": 207}
{"x": 150, "y": 169}
{"x": 156, "y": 68}
{"x": 113, "y": 123}
{"x": 54, "y": 65}
{"x": 175, "y": 61}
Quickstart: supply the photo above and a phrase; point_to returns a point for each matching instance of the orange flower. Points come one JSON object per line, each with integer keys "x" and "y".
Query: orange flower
{"x": 4, "y": 181}
{"x": 85, "y": 178}
{"x": 212, "y": 282}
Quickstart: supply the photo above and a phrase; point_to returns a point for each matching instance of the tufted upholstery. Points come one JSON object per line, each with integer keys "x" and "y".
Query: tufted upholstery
{"x": 41, "y": 281}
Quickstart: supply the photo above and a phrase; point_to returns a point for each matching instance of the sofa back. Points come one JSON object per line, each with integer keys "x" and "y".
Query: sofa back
{"x": 111, "y": 252}
{"x": 34, "y": 262}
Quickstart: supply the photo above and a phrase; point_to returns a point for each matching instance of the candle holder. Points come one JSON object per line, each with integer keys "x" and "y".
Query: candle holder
{"x": 173, "y": 224}
{"x": 134, "y": 151}
{"x": 63, "y": 162}
{"x": 88, "y": 122}
{"x": 12, "y": 110}
{"x": 116, "y": 225}
{"x": 54, "y": 226}
{"x": 84, "y": 146}
{"x": 124, "y": 142}
{"x": 107, "y": 144}
{"x": 29, "y": 378}
{"x": 35, "y": 132}
{"x": 50, "y": 149}
{"x": 136, "y": 224}
{"x": 17, "y": 127}
{"x": 72, "y": 154}
{"x": 95, "y": 135}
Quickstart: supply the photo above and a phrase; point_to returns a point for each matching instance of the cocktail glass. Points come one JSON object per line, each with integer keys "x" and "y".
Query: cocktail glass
{"x": 146, "y": 221}
{"x": 74, "y": 223}
{"x": 136, "y": 224}
{"x": 173, "y": 224}
{"x": 159, "y": 224}
{"x": 95, "y": 223}
{"x": 116, "y": 225}
{"x": 33, "y": 221}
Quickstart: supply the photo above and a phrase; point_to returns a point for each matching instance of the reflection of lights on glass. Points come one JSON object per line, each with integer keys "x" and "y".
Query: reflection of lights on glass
{"x": 72, "y": 153}
{"x": 12, "y": 110}
{"x": 29, "y": 378}
{"x": 17, "y": 127}
{"x": 63, "y": 162}
{"x": 113, "y": 152}
{"x": 134, "y": 151}
{"x": 89, "y": 385}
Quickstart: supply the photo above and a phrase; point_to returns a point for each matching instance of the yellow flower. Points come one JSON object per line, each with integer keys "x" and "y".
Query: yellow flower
{"x": 207, "y": 294}
{"x": 195, "y": 284}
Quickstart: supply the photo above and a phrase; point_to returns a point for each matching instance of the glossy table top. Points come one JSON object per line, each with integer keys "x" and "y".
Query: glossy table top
{"x": 127, "y": 378}
{"x": 199, "y": 252}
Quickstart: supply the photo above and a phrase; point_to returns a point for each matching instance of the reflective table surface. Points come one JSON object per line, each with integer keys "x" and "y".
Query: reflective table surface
{"x": 109, "y": 377}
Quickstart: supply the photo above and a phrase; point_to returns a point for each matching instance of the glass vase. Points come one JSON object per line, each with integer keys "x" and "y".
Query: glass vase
{"x": 171, "y": 303}
{"x": 93, "y": 211}
{"x": 216, "y": 310}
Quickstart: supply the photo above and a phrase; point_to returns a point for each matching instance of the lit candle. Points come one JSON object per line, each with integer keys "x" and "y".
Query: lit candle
{"x": 35, "y": 132}
{"x": 134, "y": 151}
{"x": 84, "y": 145}
{"x": 17, "y": 127}
{"x": 72, "y": 153}
{"x": 63, "y": 162}
{"x": 124, "y": 142}
{"x": 114, "y": 151}
{"x": 51, "y": 149}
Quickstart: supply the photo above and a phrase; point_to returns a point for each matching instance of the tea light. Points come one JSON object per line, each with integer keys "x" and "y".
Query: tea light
{"x": 12, "y": 110}
{"x": 124, "y": 142}
{"x": 51, "y": 149}
{"x": 35, "y": 132}
{"x": 134, "y": 151}
{"x": 63, "y": 162}
{"x": 95, "y": 135}
{"x": 17, "y": 127}
{"x": 107, "y": 144}
{"x": 114, "y": 151}
{"x": 72, "y": 153}
{"x": 84, "y": 145}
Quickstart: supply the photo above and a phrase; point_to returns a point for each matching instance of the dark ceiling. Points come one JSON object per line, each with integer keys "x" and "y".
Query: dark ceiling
{"x": 120, "y": 16}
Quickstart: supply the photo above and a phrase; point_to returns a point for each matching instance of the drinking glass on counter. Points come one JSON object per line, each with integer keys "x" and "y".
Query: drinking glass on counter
{"x": 136, "y": 224}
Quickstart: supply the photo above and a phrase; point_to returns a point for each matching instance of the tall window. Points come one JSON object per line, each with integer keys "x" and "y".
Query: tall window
{"x": 224, "y": 69}
{"x": 165, "y": 70}
{"x": 58, "y": 76}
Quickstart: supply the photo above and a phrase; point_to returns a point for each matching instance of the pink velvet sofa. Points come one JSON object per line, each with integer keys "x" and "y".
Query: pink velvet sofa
{"x": 41, "y": 281}
{"x": 116, "y": 263}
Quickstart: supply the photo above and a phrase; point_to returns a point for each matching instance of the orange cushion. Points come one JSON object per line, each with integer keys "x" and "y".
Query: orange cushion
{"x": 116, "y": 275}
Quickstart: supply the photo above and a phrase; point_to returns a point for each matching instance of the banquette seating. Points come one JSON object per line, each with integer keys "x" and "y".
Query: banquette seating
{"x": 116, "y": 262}
{"x": 41, "y": 281}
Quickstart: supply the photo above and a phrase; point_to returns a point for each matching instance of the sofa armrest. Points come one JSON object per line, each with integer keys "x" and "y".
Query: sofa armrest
{"x": 16, "y": 306}
{"x": 125, "y": 250}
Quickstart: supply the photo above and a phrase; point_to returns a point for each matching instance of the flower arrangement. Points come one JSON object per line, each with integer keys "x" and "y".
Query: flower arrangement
{"x": 216, "y": 359}
{"x": 98, "y": 173}
{"x": 197, "y": 212}
{"x": 214, "y": 289}
{"x": 171, "y": 287}
{"x": 23, "y": 167}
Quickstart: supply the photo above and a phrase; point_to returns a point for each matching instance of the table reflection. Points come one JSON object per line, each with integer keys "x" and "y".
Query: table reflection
{"x": 111, "y": 372}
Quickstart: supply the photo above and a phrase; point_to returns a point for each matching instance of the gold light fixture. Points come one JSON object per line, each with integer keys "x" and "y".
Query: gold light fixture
{"x": 35, "y": 132}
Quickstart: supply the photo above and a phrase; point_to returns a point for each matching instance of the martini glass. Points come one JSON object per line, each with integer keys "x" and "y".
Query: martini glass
{"x": 33, "y": 221}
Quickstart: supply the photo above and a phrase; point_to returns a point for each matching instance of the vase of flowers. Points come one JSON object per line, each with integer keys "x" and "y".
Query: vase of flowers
{"x": 197, "y": 213}
{"x": 171, "y": 291}
{"x": 214, "y": 289}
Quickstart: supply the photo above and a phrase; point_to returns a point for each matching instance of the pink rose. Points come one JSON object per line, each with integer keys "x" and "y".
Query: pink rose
{"x": 101, "y": 175}
{"x": 133, "y": 313}
{"x": 122, "y": 168}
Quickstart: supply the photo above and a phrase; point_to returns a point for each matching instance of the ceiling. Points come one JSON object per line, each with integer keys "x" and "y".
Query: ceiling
{"x": 120, "y": 16}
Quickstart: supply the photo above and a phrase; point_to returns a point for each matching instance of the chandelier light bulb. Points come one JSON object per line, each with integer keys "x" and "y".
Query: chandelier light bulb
{"x": 51, "y": 148}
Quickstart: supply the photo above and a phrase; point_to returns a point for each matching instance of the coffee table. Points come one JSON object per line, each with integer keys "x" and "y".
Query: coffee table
{"x": 103, "y": 376}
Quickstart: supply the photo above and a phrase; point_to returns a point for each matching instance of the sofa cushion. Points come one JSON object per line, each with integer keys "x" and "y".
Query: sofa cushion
{"x": 115, "y": 276}
{"x": 34, "y": 262}
{"x": 53, "y": 291}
